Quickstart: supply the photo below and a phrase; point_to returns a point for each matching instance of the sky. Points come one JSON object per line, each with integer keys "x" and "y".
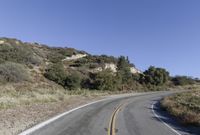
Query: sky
{"x": 162, "y": 33}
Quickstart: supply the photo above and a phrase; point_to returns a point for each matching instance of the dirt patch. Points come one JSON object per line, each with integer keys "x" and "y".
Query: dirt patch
{"x": 15, "y": 120}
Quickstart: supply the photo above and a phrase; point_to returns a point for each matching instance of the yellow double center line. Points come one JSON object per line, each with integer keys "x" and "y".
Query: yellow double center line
{"x": 111, "y": 128}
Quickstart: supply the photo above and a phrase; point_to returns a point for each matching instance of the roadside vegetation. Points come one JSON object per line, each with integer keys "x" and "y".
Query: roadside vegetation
{"x": 183, "y": 80}
{"x": 13, "y": 72}
{"x": 123, "y": 79}
{"x": 185, "y": 106}
{"x": 35, "y": 73}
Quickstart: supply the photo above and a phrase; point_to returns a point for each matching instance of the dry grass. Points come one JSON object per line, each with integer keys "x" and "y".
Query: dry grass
{"x": 185, "y": 106}
{"x": 23, "y": 105}
{"x": 26, "y": 94}
{"x": 16, "y": 119}
{"x": 22, "y": 94}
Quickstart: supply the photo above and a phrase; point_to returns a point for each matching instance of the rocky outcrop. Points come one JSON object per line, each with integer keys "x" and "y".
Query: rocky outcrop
{"x": 96, "y": 70}
{"x": 111, "y": 66}
{"x": 75, "y": 57}
{"x": 135, "y": 70}
{"x": 2, "y": 41}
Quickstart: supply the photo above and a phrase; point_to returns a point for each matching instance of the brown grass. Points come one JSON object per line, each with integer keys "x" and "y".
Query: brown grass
{"x": 22, "y": 94}
{"x": 185, "y": 106}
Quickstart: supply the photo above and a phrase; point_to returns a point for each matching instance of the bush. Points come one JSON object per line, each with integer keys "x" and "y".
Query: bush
{"x": 18, "y": 53}
{"x": 93, "y": 65}
{"x": 73, "y": 81}
{"x": 105, "y": 59}
{"x": 105, "y": 80}
{"x": 182, "y": 80}
{"x": 57, "y": 54}
{"x": 13, "y": 72}
{"x": 56, "y": 73}
{"x": 55, "y": 57}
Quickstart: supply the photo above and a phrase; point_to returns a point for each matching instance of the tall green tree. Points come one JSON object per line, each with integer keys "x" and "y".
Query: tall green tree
{"x": 156, "y": 76}
{"x": 123, "y": 69}
{"x": 122, "y": 63}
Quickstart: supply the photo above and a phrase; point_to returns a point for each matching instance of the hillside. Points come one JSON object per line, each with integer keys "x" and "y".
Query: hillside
{"x": 43, "y": 80}
{"x": 37, "y": 59}
{"x": 70, "y": 69}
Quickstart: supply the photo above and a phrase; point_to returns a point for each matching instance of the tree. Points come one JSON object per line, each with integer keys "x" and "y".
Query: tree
{"x": 123, "y": 72}
{"x": 123, "y": 63}
{"x": 156, "y": 76}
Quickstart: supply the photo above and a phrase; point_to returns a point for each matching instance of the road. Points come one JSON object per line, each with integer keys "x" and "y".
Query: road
{"x": 130, "y": 115}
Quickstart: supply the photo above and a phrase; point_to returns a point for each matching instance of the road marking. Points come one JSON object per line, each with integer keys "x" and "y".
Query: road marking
{"x": 31, "y": 130}
{"x": 43, "y": 124}
{"x": 40, "y": 125}
{"x": 112, "y": 123}
{"x": 159, "y": 117}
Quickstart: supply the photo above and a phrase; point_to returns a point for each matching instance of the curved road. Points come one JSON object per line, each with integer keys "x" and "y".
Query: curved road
{"x": 130, "y": 115}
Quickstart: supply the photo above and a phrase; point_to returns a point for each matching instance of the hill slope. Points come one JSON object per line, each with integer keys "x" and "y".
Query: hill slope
{"x": 35, "y": 60}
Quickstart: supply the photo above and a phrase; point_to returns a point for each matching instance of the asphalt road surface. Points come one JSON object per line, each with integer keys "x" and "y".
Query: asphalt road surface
{"x": 131, "y": 115}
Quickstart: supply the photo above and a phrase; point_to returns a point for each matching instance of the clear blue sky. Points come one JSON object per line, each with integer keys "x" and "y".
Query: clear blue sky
{"x": 163, "y": 33}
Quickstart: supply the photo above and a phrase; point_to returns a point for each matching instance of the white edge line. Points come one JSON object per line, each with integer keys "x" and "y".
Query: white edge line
{"x": 31, "y": 130}
{"x": 40, "y": 125}
{"x": 158, "y": 117}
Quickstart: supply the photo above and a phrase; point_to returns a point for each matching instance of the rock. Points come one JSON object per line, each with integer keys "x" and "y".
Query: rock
{"x": 111, "y": 66}
{"x": 2, "y": 41}
{"x": 75, "y": 57}
{"x": 135, "y": 70}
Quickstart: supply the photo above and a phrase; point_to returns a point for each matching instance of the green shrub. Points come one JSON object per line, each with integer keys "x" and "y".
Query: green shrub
{"x": 95, "y": 59}
{"x": 105, "y": 80}
{"x": 182, "y": 80}
{"x": 57, "y": 54}
{"x": 73, "y": 81}
{"x": 18, "y": 53}
{"x": 55, "y": 57}
{"x": 13, "y": 72}
{"x": 105, "y": 59}
{"x": 56, "y": 73}
{"x": 93, "y": 65}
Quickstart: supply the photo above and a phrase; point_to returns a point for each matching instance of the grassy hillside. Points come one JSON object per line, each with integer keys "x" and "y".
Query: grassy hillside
{"x": 30, "y": 62}
{"x": 33, "y": 73}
